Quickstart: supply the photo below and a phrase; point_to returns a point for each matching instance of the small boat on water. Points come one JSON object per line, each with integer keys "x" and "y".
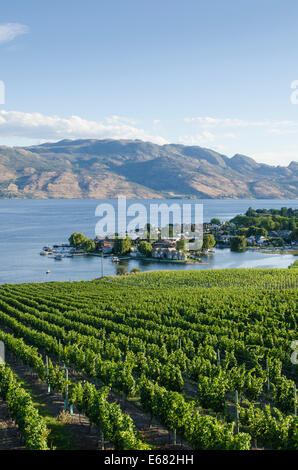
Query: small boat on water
{"x": 44, "y": 253}
{"x": 115, "y": 259}
{"x": 48, "y": 271}
{"x": 58, "y": 257}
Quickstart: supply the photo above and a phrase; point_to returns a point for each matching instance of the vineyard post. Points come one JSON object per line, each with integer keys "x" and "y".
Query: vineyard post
{"x": 101, "y": 438}
{"x": 96, "y": 379}
{"x": 218, "y": 358}
{"x": 123, "y": 399}
{"x": 66, "y": 390}
{"x": 47, "y": 374}
{"x": 267, "y": 373}
{"x": 59, "y": 349}
{"x": 237, "y": 412}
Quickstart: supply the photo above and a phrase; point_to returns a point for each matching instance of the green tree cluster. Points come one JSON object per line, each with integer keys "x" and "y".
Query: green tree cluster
{"x": 238, "y": 243}
{"x": 145, "y": 248}
{"x": 122, "y": 246}
{"x": 79, "y": 240}
{"x": 181, "y": 244}
{"x": 208, "y": 241}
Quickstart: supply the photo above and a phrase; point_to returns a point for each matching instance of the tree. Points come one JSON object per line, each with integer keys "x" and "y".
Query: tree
{"x": 77, "y": 239}
{"x": 284, "y": 212}
{"x": 292, "y": 223}
{"x": 294, "y": 235}
{"x": 88, "y": 245}
{"x": 250, "y": 212}
{"x": 148, "y": 229}
{"x": 121, "y": 270}
{"x": 238, "y": 243}
{"x": 135, "y": 271}
{"x": 253, "y": 230}
{"x": 262, "y": 232}
{"x": 266, "y": 222}
{"x": 208, "y": 241}
{"x": 145, "y": 248}
{"x": 181, "y": 244}
{"x": 243, "y": 231}
{"x": 215, "y": 221}
{"x": 122, "y": 246}
{"x": 278, "y": 242}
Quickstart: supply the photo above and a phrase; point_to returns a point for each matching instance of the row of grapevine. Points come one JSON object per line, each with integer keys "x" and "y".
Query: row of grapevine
{"x": 31, "y": 425}
{"x": 117, "y": 426}
{"x": 174, "y": 329}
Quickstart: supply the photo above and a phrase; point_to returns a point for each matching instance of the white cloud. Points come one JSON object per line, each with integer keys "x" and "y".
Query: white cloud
{"x": 42, "y": 127}
{"x": 282, "y": 158}
{"x": 199, "y": 139}
{"x": 273, "y": 127}
{"x": 283, "y": 130}
{"x": 229, "y": 135}
{"x": 156, "y": 122}
{"x": 9, "y": 31}
{"x": 205, "y": 139}
{"x": 223, "y": 122}
{"x": 121, "y": 119}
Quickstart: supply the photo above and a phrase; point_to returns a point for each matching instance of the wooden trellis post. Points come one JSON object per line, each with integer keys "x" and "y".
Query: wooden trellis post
{"x": 66, "y": 391}
{"x": 218, "y": 358}
{"x": 237, "y": 412}
{"x": 96, "y": 370}
{"x": 267, "y": 373}
{"x": 47, "y": 374}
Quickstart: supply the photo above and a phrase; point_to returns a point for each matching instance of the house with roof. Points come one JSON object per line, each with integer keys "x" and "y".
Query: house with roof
{"x": 169, "y": 253}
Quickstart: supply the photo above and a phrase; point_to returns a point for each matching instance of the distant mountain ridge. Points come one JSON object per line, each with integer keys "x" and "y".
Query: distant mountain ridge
{"x": 107, "y": 168}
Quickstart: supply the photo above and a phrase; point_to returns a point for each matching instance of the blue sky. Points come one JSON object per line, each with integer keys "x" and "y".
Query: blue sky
{"x": 211, "y": 73}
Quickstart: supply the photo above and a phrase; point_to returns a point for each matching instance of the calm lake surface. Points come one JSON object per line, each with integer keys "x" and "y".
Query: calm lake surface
{"x": 28, "y": 225}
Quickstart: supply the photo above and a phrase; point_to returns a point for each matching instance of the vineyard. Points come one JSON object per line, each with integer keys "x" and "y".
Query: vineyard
{"x": 179, "y": 360}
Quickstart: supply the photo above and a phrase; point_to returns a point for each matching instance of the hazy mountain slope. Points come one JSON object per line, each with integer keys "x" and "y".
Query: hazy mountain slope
{"x": 107, "y": 168}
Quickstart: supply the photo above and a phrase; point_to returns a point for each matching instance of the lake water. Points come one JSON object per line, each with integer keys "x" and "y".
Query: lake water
{"x": 28, "y": 225}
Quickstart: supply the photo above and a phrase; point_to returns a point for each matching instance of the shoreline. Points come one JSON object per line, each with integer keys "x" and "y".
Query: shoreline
{"x": 152, "y": 260}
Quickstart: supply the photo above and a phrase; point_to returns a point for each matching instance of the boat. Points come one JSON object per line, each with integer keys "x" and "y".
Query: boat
{"x": 44, "y": 253}
{"x": 58, "y": 257}
{"x": 48, "y": 271}
{"x": 115, "y": 259}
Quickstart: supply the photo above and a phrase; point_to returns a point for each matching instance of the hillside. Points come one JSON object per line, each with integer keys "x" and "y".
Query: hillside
{"x": 107, "y": 168}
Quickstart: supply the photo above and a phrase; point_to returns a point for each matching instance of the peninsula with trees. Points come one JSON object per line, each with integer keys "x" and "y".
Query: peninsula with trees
{"x": 266, "y": 229}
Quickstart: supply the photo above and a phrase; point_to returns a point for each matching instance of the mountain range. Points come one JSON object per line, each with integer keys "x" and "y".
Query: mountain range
{"x": 137, "y": 169}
